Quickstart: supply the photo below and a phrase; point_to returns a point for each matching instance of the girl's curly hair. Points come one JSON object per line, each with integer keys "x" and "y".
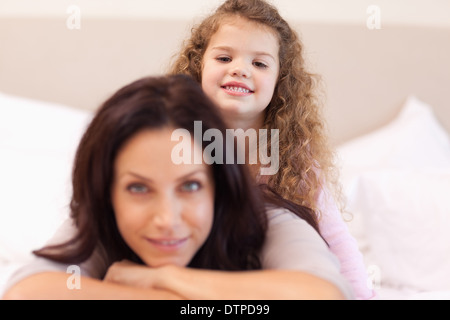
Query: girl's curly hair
{"x": 306, "y": 159}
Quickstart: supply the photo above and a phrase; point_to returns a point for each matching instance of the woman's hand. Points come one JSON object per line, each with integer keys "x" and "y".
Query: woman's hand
{"x": 134, "y": 275}
{"x": 131, "y": 274}
{"x": 187, "y": 283}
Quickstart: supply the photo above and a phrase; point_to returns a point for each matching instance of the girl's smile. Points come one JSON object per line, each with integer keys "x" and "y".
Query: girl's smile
{"x": 240, "y": 70}
{"x": 237, "y": 89}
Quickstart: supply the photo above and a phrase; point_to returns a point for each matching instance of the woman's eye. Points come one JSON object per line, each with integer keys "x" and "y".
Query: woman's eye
{"x": 260, "y": 65}
{"x": 137, "y": 188}
{"x": 191, "y": 186}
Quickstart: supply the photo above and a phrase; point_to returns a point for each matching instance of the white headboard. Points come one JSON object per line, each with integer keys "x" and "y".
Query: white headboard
{"x": 367, "y": 73}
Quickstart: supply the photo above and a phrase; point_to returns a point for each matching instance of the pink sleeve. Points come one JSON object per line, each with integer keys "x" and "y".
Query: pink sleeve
{"x": 344, "y": 246}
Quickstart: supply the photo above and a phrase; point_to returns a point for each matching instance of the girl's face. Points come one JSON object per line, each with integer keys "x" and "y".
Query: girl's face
{"x": 164, "y": 211}
{"x": 240, "y": 69}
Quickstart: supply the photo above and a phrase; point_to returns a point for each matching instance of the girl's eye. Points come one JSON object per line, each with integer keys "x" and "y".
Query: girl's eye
{"x": 137, "y": 188}
{"x": 223, "y": 59}
{"x": 260, "y": 65}
{"x": 190, "y": 186}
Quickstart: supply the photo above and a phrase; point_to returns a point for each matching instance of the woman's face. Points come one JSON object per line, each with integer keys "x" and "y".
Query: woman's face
{"x": 164, "y": 211}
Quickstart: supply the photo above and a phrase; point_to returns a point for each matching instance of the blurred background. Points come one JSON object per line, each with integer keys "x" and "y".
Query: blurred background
{"x": 385, "y": 72}
{"x": 371, "y": 54}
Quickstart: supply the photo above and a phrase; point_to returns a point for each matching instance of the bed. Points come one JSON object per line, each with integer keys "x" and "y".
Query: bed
{"x": 387, "y": 105}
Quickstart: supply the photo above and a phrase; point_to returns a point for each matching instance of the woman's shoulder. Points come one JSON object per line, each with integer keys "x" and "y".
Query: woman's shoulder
{"x": 287, "y": 231}
{"x": 280, "y": 215}
{"x": 293, "y": 244}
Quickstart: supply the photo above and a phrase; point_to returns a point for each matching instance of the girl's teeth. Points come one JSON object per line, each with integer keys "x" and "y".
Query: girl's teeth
{"x": 237, "y": 89}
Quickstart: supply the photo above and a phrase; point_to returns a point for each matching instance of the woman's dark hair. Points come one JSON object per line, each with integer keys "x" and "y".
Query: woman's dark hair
{"x": 176, "y": 101}
{"x": 239, "y": 225}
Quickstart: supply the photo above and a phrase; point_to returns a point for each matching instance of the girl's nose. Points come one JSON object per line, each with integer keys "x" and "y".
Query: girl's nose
{"x": 239, "y": 69}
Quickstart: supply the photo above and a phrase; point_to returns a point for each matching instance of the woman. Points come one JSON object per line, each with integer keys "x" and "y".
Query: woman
{"x": 145, "y": 227}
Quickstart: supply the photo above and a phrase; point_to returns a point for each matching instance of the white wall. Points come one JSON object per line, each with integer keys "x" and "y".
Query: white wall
{"x": 410, "y": 12}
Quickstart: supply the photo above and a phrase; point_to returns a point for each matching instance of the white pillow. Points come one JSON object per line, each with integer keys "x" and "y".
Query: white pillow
{"x": 37, "y": 145}
{"x": 406, "y": 220}
{"x": 412, "y": 146}
{"x": 413, "y": 139}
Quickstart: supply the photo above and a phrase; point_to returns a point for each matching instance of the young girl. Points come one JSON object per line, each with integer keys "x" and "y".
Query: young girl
{"x": 250, "y": 62}
{"x": 139, "y": 218}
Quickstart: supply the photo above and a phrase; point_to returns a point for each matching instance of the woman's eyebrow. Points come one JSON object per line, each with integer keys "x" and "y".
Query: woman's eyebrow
{"x": 183, "y": 177}
{"x": 193, "y": 173}
{"x": 136, "y": 175}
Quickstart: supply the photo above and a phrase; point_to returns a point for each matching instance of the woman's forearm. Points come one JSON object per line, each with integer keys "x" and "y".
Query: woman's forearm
{"x": 53, "y": 286}
{"x": 254, "y": 285}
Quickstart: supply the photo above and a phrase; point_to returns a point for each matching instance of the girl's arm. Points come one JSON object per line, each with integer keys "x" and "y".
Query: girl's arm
{"x": 345, "y": 247}
{"x": 53, "y": 286}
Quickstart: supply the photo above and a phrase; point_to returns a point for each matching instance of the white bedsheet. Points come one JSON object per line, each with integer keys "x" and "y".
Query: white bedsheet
{"x": 408, "y": 294}
{"x": 6, "y": 270}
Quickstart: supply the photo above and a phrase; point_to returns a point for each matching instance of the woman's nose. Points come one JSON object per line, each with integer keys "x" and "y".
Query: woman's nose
{"x": 166, "y": 212}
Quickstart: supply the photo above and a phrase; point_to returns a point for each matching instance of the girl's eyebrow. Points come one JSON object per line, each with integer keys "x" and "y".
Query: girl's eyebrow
{"x": 231, "y": 49}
